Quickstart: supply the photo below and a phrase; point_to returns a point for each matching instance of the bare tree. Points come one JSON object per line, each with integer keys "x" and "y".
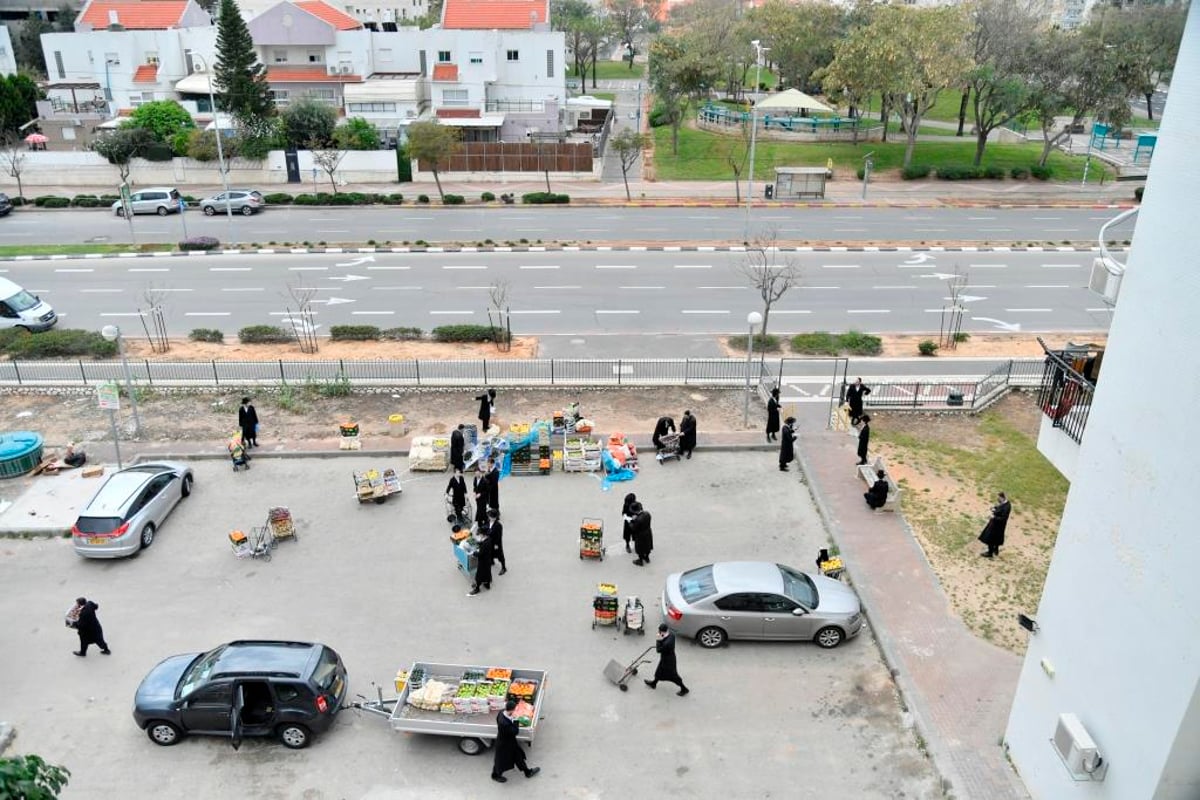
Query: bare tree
{"x": 628, "y": 145}
{"x": 328, "y": 160}
{"x": 768, "y": 271}
{"x": 737, "y": 151}
{"x": 156, "y": 328}
{"x": 502, "y": 332}
{"x": 952, "y": 315}
{"x": 302, "y": 322}
{"x": 12, "y": 158}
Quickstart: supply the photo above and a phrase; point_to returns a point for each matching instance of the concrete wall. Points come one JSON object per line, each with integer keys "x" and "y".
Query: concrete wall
{"x": 1059, "y": 449}
{"x": 1121, "y": 606}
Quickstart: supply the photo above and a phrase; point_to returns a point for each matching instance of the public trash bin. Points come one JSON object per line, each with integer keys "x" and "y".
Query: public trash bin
{"x": 954, "y": 398}
{"x": 770, "y": 190}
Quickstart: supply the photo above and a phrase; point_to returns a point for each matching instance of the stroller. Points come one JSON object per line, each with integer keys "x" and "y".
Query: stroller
{"x": 460, "y": 521}
{"x": 238, "y": 454}
{"x": 669, "y": 449}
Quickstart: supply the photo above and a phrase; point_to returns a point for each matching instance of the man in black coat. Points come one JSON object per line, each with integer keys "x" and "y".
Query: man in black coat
{"x": 666, "y": 670}
{"x": 509, "y": 753}
{"x": 876, "y": 496}
{"x": 457, "y": 444}
{"x": 457, "y": 490}
{"x": 643, "y": 536}
{"x": 627, "y": 517}
{"x": 864, "y": 439}
{"x": 773, "y": 415}
{"x": 687, "y": 434}
{"x": 496, "y": 535}
{"x": 787, "y": 445}
{"x": 90, "y": 631}
{"x": 855, "y": 393}
{"x": 483, "y": 564}
{"x": 664, "y": 426}
{"x": 993, "y": 533}
{"x": 493, "y": 476}
{"x": 486, "y": 409}
{"x": 248, "y": 422}
{"x": 482, "y": 491}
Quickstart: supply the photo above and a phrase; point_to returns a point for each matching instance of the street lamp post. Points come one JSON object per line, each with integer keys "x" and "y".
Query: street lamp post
{"x": 758, "y": 52}
{"x": 753, "y": 319}
{"x": 113, "y": 334}
{"x": 212, "y": 100}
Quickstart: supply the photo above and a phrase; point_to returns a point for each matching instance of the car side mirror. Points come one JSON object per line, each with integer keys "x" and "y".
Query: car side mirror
{"x": 798, "y": 612}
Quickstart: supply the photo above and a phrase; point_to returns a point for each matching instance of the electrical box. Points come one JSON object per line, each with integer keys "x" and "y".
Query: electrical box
{"x": 1077, "y": 750}
{"x": 1104, "y": 282}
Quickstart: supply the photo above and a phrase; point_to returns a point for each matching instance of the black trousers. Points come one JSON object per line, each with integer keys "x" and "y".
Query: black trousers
{"x": 518, "y": 761}
{"x": 83, "y": 645}
{"x": 498, "y": 556}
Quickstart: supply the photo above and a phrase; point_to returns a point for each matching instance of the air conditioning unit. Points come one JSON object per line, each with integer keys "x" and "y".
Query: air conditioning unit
{"x": 346, "y": 69}
{"x": 333, "y": 70}
{"x": 1078, "y": 752}
{"x": 1103, "y": 282}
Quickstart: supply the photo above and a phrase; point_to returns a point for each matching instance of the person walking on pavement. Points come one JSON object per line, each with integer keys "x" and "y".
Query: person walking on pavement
{"x": 864, "y": 439}
{"x": 666, "y": 669}
{"x": 89, "y": 629}
{"x": 482, "y": 492}
{"x": 483, "y": 562}
{"x": 664, "y": 426}
{"x": 509, "y": 753}
{"x": 496, "y": 535}
{"x": 457, "y": 490}
{"x": 993, "y": 533}
{"x": 493, "y": 476}
{"x": 486, "y": 409}
{"x": 457, "y": 444}
{"x": 687, "y": 433}
{"x": 627, "y": 516}
{"x": 643, "y": 536}
{"x": 773, "y": 416}
{"x": 855, "y": 393}
{"x": 787, "y": 444}
{"x": 876, "y": 496}
{"x": 248, "y": 422}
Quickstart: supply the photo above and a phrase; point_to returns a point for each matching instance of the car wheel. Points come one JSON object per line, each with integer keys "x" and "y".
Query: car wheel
{"x": 120, "y": 211}
{"x": 829, "y": 637}
{"x": 711, "y": 637}
{"x": 247, "y": 211}
{"x": 470, "y": 746}
{"x": 147, "y": 537}
{"x": 209, "y": 211}
{"x": 185, "y": 488}
{"x": 162, "y": 211}
{"x": 163, "y": 733}
{"x": 294, "y": 736}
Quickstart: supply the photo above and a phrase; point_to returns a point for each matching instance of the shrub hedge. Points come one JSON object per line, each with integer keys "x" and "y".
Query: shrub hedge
{"x": 354, "y": 333}
{"x": 200, "y": 243}
{"x": 468, "y": 333}
{"x": 264, "y": 334}
{"x": 56, "y": 202}
{"x": 823, "y": 343}
{"x": 453, "y": 200}
{"x": 206, "y": 335}
{"x": 544, "y": 198}
{"x": 860, "y": 344}
{"x": 85, "y": 201}
{"x": 763, "y": 342}
{"x": 58, "y": 343}
{"x": 422, "y": 198}
{"x": 927, "y": 347}
{"x": 278, "y": 199}
{"x": 915, "y": 172}
{"x": 487, "y": 197}
{"x": 1019, "y": 173}
{"x": 1040, "y": 172}
{"x": 400, "y": 334}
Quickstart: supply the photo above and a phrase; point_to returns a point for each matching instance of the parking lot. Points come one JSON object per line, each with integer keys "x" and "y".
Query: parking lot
{"x": 378, "y": 583}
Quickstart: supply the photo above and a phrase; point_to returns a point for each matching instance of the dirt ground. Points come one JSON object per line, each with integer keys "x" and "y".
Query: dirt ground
{"x": 980, "y": 345}
{"x": 184, "y": 350}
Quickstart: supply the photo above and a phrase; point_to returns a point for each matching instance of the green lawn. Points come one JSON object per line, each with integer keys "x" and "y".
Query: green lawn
{"x": 612, "y": 70}
{"x": 702, "y": 156}
{"x": 768, "y": 78}
{"x": 944, "y": 109}
{"x": 9, "y": 250}
{"x": 604, "y": 95}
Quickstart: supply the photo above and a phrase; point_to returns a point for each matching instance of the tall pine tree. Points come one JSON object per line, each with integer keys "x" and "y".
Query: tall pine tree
{"x": 240, "y": 78}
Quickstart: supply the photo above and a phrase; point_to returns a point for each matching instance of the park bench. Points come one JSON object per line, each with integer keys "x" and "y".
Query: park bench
{"x": 868, "y": 471}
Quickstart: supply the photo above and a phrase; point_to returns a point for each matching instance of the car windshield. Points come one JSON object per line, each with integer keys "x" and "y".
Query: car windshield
{"x": 799, "y": 587}
{"x": 97, "y": 524}
{"x": 22, "y": 301}
{"x": 697, "y": 584}
{"x": 197, "y": 674}
{"x": 326, "y": 672}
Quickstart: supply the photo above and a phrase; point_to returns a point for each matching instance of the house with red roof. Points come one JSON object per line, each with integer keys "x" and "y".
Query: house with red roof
{"x": 140, "y": 15}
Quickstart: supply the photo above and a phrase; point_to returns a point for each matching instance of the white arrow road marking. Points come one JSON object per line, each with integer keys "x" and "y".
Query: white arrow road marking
{"x": 919, "y": 258}
{"x": 357, "y": 261}
{"x": 1004, "y": 326}
{"x": 348, "y": 278}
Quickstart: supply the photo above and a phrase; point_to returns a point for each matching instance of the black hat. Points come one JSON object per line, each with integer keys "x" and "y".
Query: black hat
{"x": 510, "y": 704}
{"x": 662, "y": 628}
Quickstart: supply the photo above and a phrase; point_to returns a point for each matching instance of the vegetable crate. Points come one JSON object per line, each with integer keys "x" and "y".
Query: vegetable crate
{"x": 591, "y": 538}
{"x": 606, "y": 606}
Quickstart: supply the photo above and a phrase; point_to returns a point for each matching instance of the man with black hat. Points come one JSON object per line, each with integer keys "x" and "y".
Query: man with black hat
{"x": 666, "y": 670}
{"x": 509, "y": 753}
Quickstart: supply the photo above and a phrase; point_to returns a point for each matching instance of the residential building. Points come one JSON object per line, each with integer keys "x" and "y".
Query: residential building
{"x": 379, "y": 15}
{"x": 8, "y": 62}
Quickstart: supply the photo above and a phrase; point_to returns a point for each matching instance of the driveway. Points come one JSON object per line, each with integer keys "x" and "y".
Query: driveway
{"x": 378, "y": 583}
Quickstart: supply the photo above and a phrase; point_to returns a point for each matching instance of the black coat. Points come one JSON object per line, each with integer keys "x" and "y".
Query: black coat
{"x": 666, "y": 670}
{"x": 993, "y": 533}
{"x": 496, "y": 535}
{"x": 876, "y": 496}
{"x": 787, "y": 445}
{"x": 88, "y": 626}
{"x": 484, "y": 560}
{"x": 864, "y": 440}
{"x": 508, "y": 749}
{"x": 643, "y": 536}
{"x": 493, "y": 484}
{"x": 457, "y": 442}
{"x": 485, "y": 409}
{"x": 457, "y": 489}
{"x": 664, "y": 426}
{"x": 687, "y": 433}
{"x": 626, "y": 516}
{"x": 481, "y": 488}
{"x": 247, "y": 420}
{"x": 773, "y": 415}
{"x": 854, "y": 398}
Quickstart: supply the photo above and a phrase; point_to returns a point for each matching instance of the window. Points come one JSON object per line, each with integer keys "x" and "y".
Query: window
{"x": 443, "y": 56}
{"x": 455, "y": 97}
{"x": 743, "y": 601}
{"x": 215, "y": 694}
{"x": 345, "y": 57}
{"x": 424, "y": 64}
{"x": 361, "y": 108}
{"x": 326, "y": 96}
{"x": 697, "y": 584}
{"x": 316, "y": 57}
{"x": 385, "y": 55}
{"x": 287, "y": 693}
{"x": 112, "y": 58}
{"x": 151, "y": 57}
{"x": 797, "y": 586}
{"x": 774, "y": 604}
{"x": 136, "y": 100}
{"x": 58, "y": 64}
{"x": 280, "y": 96}
{"x": 279, "y": 56}
{"x": 475, "y": 58}
{"x": 549, "y": 63}
{"x": 514, "y": 55}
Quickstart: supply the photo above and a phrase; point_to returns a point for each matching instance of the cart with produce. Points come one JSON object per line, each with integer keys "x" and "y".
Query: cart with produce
{"x": 606, "y": 606}
{"x": 373, "y": 486}
{"x": 461, "y": 701}
{"x": 633, "y": 615}
{"x": 591, "y": 538}
{"x": 280, "y": 524}
{"x": 466, "y": 552}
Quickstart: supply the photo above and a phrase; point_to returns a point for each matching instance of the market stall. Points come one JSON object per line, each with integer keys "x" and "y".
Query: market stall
{"x": 373, "y": 486}
{"x": 429, "y": 454}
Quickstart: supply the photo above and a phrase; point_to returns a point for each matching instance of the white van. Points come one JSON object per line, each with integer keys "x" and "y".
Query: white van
{"x": 20, "y": 309}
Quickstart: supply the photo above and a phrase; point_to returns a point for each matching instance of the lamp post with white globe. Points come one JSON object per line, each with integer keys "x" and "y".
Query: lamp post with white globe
{"x": 113, "y": 334}
{"x": 753, "y": 319}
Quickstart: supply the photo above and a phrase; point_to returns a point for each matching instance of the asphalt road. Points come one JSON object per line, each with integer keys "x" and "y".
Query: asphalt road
{"x": 578, "y": 225}
{"x": 573, "y": 294}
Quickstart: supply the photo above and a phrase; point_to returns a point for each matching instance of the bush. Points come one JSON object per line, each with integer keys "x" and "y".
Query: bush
{"x": 860, "y": 344}
{"x": 422, "y": 198}
{"x": 19, "y": 201}
{"x": 544, "y": 198}
{"x": 993, "y": 173}
{"x": 832, "y": 344}
{"x": 487, "y": 197}
{"x": 1138, "y": 192}
{"x": 1040, "y": 172}
{"x": 658, "y": 116}
{"x": 391, "y": 199}
{"x": 354, "y": 333}
{"x": 453, "y": 200}
{"x": 467, "y": 333}
{"x": 915, "y": 172}
{"x": 41, "y": 200}
{"x": 60, "y": 343}
{"x": 927, "y": 347}
{"x": 200, "y": 243}
{"x": 278, "y": 199}
{"x": 1019, "y": 173}
{"x": 960, "y": 172}
{"x": 400, "y": 334}
{"x": 861, "y": 172}
{"x": 305, "y": 199}
{"x": 157, "y": 151}
{"x": 206, "y": 335}
{"x": 763, "y": 343}
{"x": 816, "y": 344}
{"x": 962, "y": 336}
{"x": 264, "y": 334}
{"x": 56, "y": 202}
{"x": 85, "y": 201}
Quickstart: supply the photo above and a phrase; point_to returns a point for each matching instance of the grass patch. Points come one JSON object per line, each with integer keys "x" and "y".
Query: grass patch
{"x": 822, "y": 343}
{"x": 944, "y": 110}
{"x": 763, "y": 342}
{"x": 611, "y": 96}
{"x": 611, "y": 71}
{"x": 78, "y": 249}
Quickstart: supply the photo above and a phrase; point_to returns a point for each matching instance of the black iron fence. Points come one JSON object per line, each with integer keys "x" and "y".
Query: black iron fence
{"x": 1065, "y": 394}
{"x": 969, "y": 393}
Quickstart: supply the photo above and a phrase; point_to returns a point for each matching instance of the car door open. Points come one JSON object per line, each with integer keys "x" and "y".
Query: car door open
{"x": 235, "y": 723}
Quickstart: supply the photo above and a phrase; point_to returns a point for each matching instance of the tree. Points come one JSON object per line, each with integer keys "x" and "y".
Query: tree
{"x": 1001, "y": 33}
{"x": 239, "y": 77}
{"x": 328, "y": 159}
{"x": 31, "y": 778}
{"x": 432, "y": 144}
{"x": 163, "y": 118}
{"x": 628, "y": 145}
{"x": 12, "y": 158}
{"x": 801, "y": 37}
{"x": 737, "y": 151}
{"x": 1146, "y": 40}
{"x": 27, "y": 45}
{"x": 717, "y": 28}
{"x": 630, "y": 19}
{"x": 768, "y": 274}
{"x": 854, "y": 71}
{"x": 356, "y": 134}
{"x": 308, "y": 121}
{"x": 679, "y": 72}
{"x": 574, "y": 18}
{"x": 121, "y": 146}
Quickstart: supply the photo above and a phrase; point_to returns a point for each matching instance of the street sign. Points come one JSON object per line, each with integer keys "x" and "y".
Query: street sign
{"x": 126, "y": 205}
{"x": 108, "y": 397}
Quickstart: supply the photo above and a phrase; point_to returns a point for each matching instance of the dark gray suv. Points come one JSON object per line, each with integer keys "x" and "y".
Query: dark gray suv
{"x": 290, "y": 690}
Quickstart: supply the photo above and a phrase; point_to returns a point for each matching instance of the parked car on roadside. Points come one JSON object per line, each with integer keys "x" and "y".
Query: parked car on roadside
{"x": 241, "y": 201}
{"x": 129, "y": 508}
{"x": 158, "y": 200}
{"x": 290, "y": 690}
{"x": 5, "y": 205}
{"x": 759, "y": 600}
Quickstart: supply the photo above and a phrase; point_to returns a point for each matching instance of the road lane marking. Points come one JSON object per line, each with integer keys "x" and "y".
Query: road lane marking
{"x": 1093, "y": 310}
{"x": 388, "y": 268}
{"x": 789, "y": 311}
{"x": 929, "y": 230}
{"x": 988, "y": 266}
{"x": 1029, "y": 310}
{"x": 121, "y": 314}
{"x": 207, "y": 313}
{"x": 478, "y": 288}
{"x": 981, "y": 286}
{"x": 560, "y": 286}
{"x": 1047, "y": 219}
{"x": 240, "y": 289}
{"x": 444, "y": 313}
{"x": 641, "y": 287}
{"x": 1048, "y": 286}
{"x": 822, "y": 287}
{"x": 840, "y": 266}
{"x": 229, "y": 269}
{"x": 693, "y": 266}
{"x": 172, "y": 290}
{"x": 703, "y": 311}
{"x": 538, "y": 266}
{"x": 464, "y": 266}
{"x": 1061, "y": 266}
{"x": 308, "y": 269}
{"x": 616, "y": 311}
{"x": 616, "y": 266}
{"x": 289, "y": 313}
{"x": 895, "y": 287}
{"x": 724, "y": 288}
{"x": 849, "y": 230}
{"x": 868, "y": 311}
{"x": 101, "y": 291}
{"x": 149, "y": 269}
{"x": 396, "y": 288}
{"x": 75, "y": 269}
{"x": 980, "y": 219}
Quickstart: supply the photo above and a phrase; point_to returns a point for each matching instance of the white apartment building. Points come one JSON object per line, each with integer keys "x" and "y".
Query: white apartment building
{"x": 380, "y": 15}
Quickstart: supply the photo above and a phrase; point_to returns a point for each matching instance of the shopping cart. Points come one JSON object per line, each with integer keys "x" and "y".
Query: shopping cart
{"x": 620, "y": 674}
{"x": 459, "y": 521}
{"x": 633, "y": 616}
{"x": 257, "y": 545}
{"x": 591, "y": 538}
{"x": 606, "y": 606}
{"x": 669, "y": 447}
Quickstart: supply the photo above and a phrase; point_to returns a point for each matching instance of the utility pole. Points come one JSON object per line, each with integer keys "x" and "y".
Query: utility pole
{"x": 758, "y": 52}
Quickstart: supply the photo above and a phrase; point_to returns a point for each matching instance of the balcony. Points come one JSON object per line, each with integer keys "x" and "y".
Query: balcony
{"x": 1065, "y": 398}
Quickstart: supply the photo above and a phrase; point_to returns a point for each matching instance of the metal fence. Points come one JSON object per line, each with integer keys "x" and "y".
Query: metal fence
{"x": 968, "y": 393}
{"x": 1065, "y": 396}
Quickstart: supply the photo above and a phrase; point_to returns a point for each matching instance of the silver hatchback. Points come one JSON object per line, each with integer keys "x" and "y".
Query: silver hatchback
{"x": 241, "y": 201}
{"x": 759, "y": 600}
{"x": 129, "y": 508}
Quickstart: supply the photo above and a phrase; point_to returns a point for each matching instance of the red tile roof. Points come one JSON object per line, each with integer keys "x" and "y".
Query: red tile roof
{"x": 307, "y": 75}
{"x": 326, "y": 12}
{"x": 138, "y": 15}
{"x": 445, "y": 72}
{"x": 458, "y": 113}
{"x": 146, "y": 73}
{"x": 494, "y": 14}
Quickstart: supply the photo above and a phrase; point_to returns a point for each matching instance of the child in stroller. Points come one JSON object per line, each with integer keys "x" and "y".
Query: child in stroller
{"x": 237, "y": 453}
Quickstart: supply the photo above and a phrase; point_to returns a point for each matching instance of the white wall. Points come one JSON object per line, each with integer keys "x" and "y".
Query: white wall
{"x": 8, "y": 61}
{"x": 1120, "y": 612}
